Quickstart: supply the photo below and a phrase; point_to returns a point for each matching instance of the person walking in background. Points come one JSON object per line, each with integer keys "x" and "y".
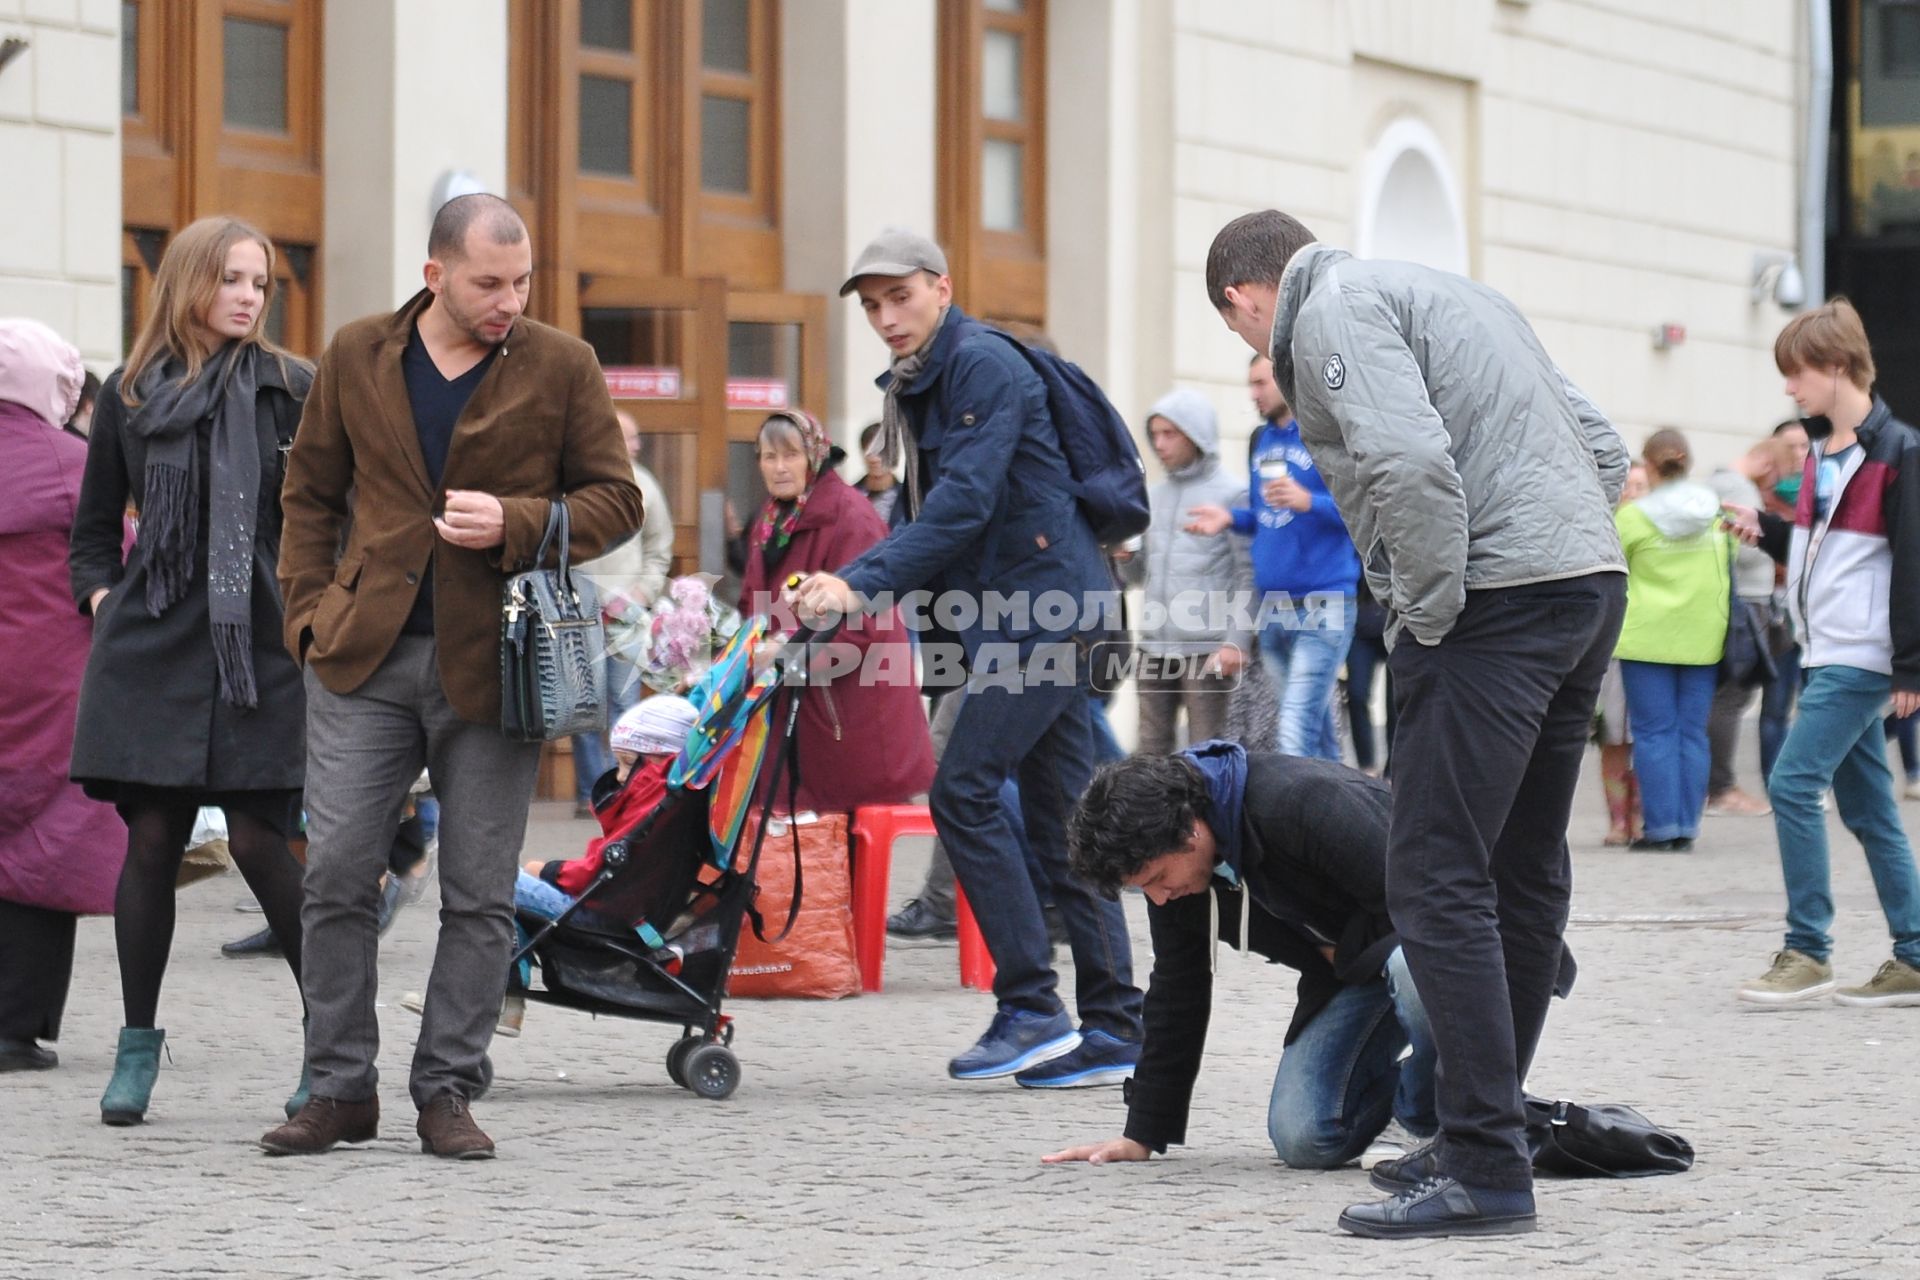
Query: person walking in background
{"x": 1777, "y": 696}
{"x": 1304, "y": 568}
{"x": 1191, "y": 652}
{"x": 1483, "y": 483}
{"x": 1678, "y": 562}
{"x": 189, "y": 699}
{"x": 422, "y": 478}
{"x": 1853, "y": 545}
{"x": 1754, "y": 473}
{"x": 1619, "y": 785}
{"x": 60, "y": 852}
{"x": 862, "y": 736}
{"x": 1366, "y": 657}
{"x": 629, "y": 579}
{"x": 880, "y": 485}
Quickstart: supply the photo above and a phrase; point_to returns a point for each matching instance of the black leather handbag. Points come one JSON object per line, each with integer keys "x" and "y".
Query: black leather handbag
{"x": 1747, "y": 659}
{"x": 553, "y": 648}
{"x": 1605, "y": 1140}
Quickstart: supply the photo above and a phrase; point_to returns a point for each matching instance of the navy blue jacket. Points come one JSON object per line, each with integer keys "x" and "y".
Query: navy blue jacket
{"x": 998, "y": 517}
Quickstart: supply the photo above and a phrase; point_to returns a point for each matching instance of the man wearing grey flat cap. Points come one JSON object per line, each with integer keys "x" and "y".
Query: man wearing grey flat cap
{"x": 991, "y": 526}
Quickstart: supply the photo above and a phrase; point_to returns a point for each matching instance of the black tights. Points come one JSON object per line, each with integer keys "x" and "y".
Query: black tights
{"x": 157, "y": 837}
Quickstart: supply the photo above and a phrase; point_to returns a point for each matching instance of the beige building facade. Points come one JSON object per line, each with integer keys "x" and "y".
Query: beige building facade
{"x": 1616, "y": 166}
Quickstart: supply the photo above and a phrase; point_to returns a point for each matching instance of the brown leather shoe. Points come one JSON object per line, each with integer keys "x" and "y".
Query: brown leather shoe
{"x": 446, "y": 1128}
{"x": 322, "y": 1123}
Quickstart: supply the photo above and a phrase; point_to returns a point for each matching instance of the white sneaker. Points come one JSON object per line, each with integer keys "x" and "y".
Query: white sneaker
{"x": 1393, "y": 1142}
{"x": 513, "y": 1011}
{"x": 1912, "y": 790}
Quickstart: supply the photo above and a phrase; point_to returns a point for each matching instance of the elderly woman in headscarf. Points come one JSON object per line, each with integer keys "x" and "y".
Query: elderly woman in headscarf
{"x": 862, "y": 734}
{"x": 60, "y": 852}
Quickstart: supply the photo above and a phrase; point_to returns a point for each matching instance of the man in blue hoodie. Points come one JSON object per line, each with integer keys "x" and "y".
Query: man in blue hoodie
{"x": 1304, "y": 569}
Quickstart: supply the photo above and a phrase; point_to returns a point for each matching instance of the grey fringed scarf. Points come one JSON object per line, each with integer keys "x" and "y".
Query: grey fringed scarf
{"x": 897, "y": 444}
{"x": 168, "y": 418}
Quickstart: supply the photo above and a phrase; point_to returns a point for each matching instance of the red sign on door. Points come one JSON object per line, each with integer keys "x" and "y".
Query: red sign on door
{"x": 640, "y": 382}
{"x": 756, "y": 393}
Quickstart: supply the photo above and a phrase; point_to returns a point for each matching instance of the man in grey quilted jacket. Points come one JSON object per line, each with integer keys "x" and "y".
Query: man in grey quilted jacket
{"x": 1478, "y": 484}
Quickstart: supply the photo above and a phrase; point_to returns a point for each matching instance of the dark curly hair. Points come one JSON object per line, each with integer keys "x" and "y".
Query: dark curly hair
{"x": 1135, "y": 810}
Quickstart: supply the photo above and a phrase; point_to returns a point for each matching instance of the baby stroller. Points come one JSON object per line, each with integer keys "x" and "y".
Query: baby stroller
{"x": 653, "y": 936}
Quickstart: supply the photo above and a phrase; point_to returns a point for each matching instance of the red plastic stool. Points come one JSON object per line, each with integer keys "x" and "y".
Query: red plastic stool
{"x": 875, "y": 828}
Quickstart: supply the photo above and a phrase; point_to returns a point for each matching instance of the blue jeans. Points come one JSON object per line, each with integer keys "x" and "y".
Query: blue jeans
{"x": 1041, "y": 734}
{"x": 1776, "y": 708}
{"x": 1365, "y": 656}
{"x": 1837, "y": 740}
{"x": 1303, "y": 648}
{"x": 1668, "y": 706}
{"x": 1343, "y": 1078}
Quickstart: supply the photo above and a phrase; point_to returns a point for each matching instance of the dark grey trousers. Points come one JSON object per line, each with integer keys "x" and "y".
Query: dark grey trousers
{"x": 364, "y": 749}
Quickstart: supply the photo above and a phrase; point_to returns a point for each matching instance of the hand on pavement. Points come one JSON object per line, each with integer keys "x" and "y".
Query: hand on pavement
{"x": 1114, "y": 1149}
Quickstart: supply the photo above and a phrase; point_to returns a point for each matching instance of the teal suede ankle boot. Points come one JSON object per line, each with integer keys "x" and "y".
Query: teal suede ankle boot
{"x": 135, "y": 1064}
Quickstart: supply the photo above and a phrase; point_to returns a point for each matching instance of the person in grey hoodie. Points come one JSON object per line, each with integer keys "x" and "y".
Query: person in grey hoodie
{"x": 1478, "y": 485}
{"x": 1193, "y": 635}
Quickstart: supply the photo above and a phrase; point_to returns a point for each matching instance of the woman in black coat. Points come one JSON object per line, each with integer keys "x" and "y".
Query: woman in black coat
{"x": 190, "y": 699}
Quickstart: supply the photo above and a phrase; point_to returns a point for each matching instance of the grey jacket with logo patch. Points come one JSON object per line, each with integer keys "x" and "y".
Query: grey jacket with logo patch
{"x": 1458, "y": 453}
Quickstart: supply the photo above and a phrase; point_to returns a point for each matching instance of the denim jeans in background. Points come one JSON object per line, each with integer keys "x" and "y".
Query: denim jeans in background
{"x": 1668, "y": 706}
{"x": 1303, "y": 647}
{"x": 1343, "y": 1078}
{"x": 1776, "y": 708}
{"x": 1041, "y": 734}
{"x": 1837, "y": 740}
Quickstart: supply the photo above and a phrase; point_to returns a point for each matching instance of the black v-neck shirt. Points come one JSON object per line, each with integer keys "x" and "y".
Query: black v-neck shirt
{"x": 437, "y": 403}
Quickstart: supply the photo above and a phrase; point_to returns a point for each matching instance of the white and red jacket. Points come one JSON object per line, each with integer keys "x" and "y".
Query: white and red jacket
{"x": 1853, "y": 573}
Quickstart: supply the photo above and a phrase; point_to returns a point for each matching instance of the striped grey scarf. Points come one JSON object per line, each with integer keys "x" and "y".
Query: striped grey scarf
{"x": 897, "y": 444}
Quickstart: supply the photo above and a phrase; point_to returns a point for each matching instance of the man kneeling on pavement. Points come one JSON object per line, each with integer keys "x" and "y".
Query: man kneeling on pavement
{"x": 1284, "y": 856}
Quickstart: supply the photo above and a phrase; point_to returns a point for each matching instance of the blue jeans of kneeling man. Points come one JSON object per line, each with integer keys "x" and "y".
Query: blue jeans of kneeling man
{"x": 1345, "y": 1076}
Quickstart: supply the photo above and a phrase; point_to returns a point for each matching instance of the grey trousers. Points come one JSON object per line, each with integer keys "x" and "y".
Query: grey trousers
{"x": 1163, "y": 698}
{"x": 364, "y": 749}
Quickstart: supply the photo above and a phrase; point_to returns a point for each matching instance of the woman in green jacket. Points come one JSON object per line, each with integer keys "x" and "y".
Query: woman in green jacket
{"x": 1670, "y": 644}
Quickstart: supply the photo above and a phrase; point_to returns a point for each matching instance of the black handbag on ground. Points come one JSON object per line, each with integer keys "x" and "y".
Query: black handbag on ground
{"x": 1605, "y": 1140}
{"x": 553, "y": 648}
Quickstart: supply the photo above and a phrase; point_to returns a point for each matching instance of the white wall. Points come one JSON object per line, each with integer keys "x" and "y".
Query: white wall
{"x": 60, "y": 153}
{"x": 412, "y": 91}
{"x": 1618, "y": 163}
{"x": 857, "y": 120}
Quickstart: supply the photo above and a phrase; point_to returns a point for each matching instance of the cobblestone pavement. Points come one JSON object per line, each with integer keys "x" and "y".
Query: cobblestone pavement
{"x": 848, "y": 1152}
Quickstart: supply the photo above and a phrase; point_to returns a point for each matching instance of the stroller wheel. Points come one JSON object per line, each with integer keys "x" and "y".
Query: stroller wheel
{"x": 677, "y": 1059}
{"x": 712, "y": 1071}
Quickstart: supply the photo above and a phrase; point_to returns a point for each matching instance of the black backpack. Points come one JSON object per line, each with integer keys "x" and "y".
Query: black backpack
{"x": 1109, "y": 477}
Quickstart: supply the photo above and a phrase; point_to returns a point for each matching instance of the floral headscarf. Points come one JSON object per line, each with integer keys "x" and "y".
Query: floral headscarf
{"x": 779, "y": 519}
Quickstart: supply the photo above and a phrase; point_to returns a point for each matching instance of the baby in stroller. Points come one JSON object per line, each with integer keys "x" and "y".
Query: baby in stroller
{"x": 645, "y": 741}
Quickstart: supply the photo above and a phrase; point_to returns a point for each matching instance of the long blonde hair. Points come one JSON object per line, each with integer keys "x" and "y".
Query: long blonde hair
{"x": 189, "y": 277}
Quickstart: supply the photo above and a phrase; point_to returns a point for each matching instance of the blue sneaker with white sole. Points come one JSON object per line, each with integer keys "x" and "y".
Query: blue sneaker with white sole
{"x": 1016, "y": 1040}
{"x": 1098, "y": 1059}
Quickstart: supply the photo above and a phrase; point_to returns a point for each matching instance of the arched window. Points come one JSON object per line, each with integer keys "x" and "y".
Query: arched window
{"x": 1409, "y": 202}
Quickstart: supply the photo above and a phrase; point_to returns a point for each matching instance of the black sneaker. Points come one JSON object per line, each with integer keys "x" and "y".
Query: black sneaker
{"x": 1407, "y": 1171}
{"x": 1442, "y": 1206}
{"x": 917, "y": 920}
